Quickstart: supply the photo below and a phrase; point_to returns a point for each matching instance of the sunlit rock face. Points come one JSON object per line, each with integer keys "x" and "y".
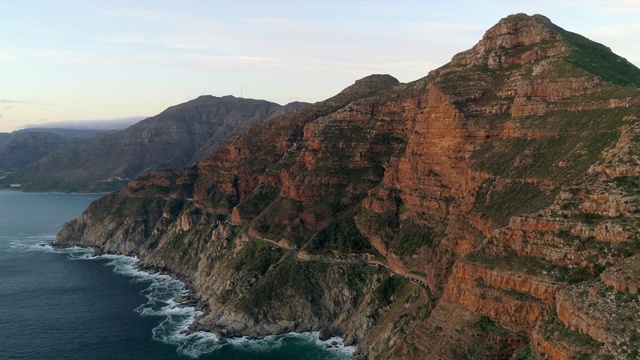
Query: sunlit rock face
{"x": 460, "y": 215}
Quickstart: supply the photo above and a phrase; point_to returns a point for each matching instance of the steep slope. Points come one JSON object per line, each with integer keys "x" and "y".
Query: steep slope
{"x": 435, "y": 219}
{"x": 176, "y": 137}
{"x": 21, "y": 148}
{"x": 4, "y": 136}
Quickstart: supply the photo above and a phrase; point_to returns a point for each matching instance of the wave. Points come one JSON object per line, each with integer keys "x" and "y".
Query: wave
{"x": 31, "y": 243}
{"x": 162, "y": 294}
{"x": 334, "y": 345}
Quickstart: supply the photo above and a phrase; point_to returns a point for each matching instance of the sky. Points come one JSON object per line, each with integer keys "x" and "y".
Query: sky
{"x": 86, "y": 60}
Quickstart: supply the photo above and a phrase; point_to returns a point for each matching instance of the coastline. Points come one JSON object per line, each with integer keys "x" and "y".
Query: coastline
{"x": 193, "y": 339}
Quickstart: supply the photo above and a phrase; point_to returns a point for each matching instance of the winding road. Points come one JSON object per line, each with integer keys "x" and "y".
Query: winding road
{"x": 340, "y": 258}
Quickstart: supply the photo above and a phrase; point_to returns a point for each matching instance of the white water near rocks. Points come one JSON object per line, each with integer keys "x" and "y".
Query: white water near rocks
{"x": 160, "y": 292}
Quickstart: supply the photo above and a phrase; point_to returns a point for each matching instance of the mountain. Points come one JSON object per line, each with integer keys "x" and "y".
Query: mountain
{"x": 108, "y": 124}
{"x": 178, "y": 136}
{"x": 71, "y": 132}
{"x": 20, "y": 148}
{"x": 486, "y": 211}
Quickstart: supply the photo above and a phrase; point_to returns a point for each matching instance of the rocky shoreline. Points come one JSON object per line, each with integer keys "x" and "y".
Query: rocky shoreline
{"x": 218, "y": 320}
{"x": 329, "y": 336}
{"x": 497, "y": 182}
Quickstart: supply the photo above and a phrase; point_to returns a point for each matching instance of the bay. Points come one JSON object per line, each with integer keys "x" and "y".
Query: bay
{"x": 72, "y": 305}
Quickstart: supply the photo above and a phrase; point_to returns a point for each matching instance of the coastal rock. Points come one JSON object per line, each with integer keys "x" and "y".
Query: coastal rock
{"x": 482, "y": 196}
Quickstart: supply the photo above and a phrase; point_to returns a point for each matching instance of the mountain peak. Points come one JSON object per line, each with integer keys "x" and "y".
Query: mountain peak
{"x": 519, "y": 30}
{"x": 514, "y": 34}
{"x": 521, "y": 39}
{"x": 371, "y": 84}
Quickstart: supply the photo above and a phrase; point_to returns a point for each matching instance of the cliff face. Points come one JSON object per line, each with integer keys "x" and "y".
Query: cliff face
{"x": 176, "y": 137}
{"x": 484, "y": 190}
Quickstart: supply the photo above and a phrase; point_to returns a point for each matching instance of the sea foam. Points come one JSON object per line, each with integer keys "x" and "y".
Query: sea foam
{"x": 161, "y": 295}
{"x": 161, "y": 302}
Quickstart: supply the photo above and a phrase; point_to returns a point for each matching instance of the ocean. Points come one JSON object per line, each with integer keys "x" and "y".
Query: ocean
{"x": 69, "y": 304}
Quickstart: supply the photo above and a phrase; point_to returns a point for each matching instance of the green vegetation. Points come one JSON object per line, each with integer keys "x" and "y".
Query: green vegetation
{"x": 629, "y": 184}
{"x": 304, "y": 284}
{"x": 274, "y": 221}
{"x": 382, "y": 224}
{"x": 411, "y": 237}
{"x": 485, "y": 325}
{"x": 387, "y": 289}
{"x": 404, "y": 237}
{"x": 478, "y": 350}
{"x": 600, "y": 61}
{"x": 289, "y": 280}
{"x": 575, "y": 140}
{"x": 139, "y": 206}
{"x": 513, "y": 199}
{"x": 258, "y": 201}
{"x": 531, "y": 266}
{"x": 589, "y": 218}
{"x": 386, "y": 144}
{"x": 215, "y": 198}
{"x": 581, "y": 274}
{"x": 523, "y": 353}
{"x": 497, "y": 157}
{"x": 554, "y": 330}
{"x": 256, "y": 257}
{"x": 173, "y": 207}
{"x": 341, "y": 234}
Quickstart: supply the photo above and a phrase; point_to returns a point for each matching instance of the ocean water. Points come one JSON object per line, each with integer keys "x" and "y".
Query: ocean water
{"x": 69, "y": 304}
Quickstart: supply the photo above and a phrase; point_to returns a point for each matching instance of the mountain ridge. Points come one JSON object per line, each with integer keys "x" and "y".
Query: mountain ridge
{"x": 23, "y": 147}
{"x": 462, "y": 215}
{"x": 177, "y": 136}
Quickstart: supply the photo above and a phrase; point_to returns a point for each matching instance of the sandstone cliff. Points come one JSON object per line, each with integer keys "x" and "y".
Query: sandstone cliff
{"x": 443, "y": 218}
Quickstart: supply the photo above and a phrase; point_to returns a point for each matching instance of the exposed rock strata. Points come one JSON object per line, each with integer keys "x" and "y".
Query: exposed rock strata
{"x": 486, "y": 188}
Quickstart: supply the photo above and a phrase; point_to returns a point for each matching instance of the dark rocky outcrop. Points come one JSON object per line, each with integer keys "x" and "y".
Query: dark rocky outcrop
{"x": 463, "y": 215}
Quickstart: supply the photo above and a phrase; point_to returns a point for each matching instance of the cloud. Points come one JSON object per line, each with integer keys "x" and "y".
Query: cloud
{"x": 16, "y": 105}
{"x": 46, "y": 55}
{"x": 173, "y": 30}
{"x": 5, "y": 101}
{"x": 126, "y": 39}
{"x": 627, "y": 7}
{"x": 103, "y": 124}
{"x": 28, "y": 102}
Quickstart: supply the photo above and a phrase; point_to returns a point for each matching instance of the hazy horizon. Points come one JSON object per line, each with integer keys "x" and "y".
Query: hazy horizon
{"x": 94, "y": 124}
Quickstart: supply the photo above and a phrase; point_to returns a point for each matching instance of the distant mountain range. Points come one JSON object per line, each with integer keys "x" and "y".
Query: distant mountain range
{"x": 20, "y": 148}
{"x": 91, "y": 160}
{"x": 108, "y": 124}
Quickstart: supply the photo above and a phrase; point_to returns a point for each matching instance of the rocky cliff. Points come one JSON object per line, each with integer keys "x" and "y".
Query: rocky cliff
{"x": 178, "y": 136}
{"x": 457, "y": 216}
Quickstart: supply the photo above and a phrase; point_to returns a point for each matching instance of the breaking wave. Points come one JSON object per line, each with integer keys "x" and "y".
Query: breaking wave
{"x": 162, "y": 294}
